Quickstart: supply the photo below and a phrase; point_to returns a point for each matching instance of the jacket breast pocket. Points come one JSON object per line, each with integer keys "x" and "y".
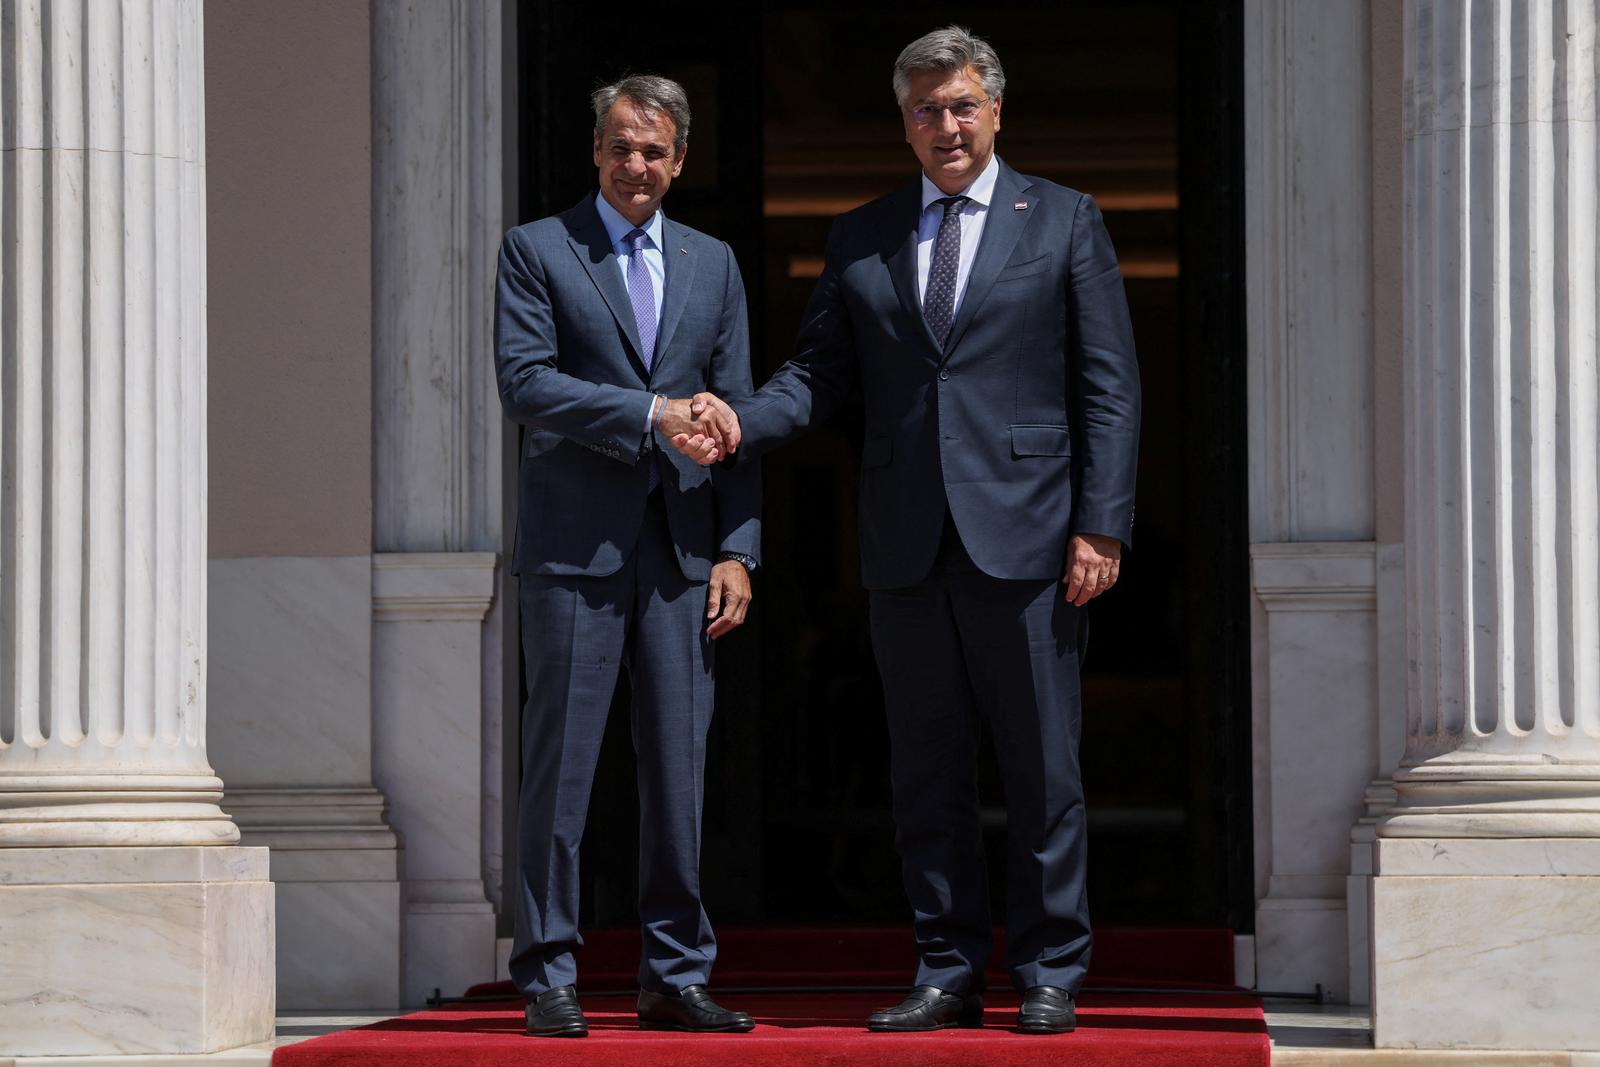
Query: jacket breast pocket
{"x": 1040, "y": 440}
{"x": 1025, "y": 269}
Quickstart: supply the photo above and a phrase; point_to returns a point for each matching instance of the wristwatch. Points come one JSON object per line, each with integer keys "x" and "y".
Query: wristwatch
{"x": 748, "y": 562}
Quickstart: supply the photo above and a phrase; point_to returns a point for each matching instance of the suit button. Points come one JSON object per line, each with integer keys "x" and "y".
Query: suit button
{"x": 944, "y": 376}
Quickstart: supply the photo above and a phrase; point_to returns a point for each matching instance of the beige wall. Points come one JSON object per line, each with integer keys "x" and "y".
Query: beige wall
{"x": 288, "y": 154}
{"x": 1388, "y": 338}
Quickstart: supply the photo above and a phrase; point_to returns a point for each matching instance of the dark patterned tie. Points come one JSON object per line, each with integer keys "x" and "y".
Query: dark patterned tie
{"x": 643, "y": 295}
{"x": 938, "y": 304}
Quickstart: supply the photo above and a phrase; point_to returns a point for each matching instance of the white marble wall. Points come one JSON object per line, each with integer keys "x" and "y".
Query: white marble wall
{"x": 1315, "y": 660}
{"x": 291, "y": 698}
{"x": 429, "y": 742}
{"x": 291, "y": 686}
{"x": 1315, "y": 632}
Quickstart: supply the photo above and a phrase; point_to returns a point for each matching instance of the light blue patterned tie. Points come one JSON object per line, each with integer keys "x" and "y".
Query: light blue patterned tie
{"x": 643, "y": 295}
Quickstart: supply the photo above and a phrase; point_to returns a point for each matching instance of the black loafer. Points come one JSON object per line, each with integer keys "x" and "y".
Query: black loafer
{"x": 1047, "y": 1010}
{"x": 928, "y": 1008}
{"x": 692, "y": 1010}
{"x": 555, "y": 1013}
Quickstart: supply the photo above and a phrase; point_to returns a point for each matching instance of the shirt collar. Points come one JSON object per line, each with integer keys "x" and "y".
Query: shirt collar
{"x": 618, "y": 227}
{"x": 981, "y": 190}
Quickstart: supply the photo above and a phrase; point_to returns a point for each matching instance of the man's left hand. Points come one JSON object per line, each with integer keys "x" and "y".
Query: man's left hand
{"x": 728, "y": 597}
{"x": 1093, "y": 563}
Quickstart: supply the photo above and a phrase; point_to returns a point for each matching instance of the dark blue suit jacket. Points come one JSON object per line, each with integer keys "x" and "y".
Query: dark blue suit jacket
{"x": 568, "y": 364}
{"x": 1025, "y": 422}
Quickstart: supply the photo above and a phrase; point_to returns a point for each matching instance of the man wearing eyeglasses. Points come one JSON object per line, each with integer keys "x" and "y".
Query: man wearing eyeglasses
{"x": 982, "y": 313}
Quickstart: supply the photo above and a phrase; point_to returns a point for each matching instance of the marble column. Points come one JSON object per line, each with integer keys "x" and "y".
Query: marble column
{"x": 1486, "y": 907}
{"x": 130, "y": 921}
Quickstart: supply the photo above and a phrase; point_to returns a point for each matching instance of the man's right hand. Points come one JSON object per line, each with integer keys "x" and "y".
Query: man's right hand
{"x": 705, "y": 432}
{"x": 710, "y": 432}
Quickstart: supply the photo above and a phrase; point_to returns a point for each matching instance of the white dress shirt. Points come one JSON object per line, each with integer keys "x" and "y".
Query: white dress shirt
{"x": 973, "y": 214}
{"x": 618, "y": 228}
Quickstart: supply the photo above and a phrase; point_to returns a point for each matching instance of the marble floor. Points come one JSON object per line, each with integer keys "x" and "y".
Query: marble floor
{"x": 298, "y": 1025}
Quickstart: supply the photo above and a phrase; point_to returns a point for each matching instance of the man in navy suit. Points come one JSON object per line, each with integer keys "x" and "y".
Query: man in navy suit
{"x": 983, "y": 316}
{"x": 625, "y": 549}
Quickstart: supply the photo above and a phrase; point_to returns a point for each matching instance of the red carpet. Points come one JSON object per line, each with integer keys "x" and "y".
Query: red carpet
{"x": 1154, "y": 1029}
{"x": 1159, "y": 1030}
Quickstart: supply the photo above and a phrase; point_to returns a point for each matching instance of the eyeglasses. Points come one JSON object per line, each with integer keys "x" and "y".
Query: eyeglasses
{"x": 965, "y": 112}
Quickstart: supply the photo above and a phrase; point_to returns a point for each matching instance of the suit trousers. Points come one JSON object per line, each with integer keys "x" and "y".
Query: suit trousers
{"x": 576, "y": 633}
{"x": 957, "y": 647}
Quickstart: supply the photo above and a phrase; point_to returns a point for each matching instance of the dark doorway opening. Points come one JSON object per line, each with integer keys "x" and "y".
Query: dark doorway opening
{"x": 1137, "y": 103}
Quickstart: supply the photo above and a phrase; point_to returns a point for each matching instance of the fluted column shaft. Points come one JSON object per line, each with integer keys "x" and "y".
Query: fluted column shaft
{"x": 102, "y": 517}
{"x": 1502, "y": 174}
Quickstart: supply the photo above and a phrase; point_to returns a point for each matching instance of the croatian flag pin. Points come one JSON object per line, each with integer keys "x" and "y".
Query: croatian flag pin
{"x": 1020, "y": 205}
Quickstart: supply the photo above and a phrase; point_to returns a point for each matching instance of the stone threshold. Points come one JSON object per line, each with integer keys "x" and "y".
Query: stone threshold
{"x": 1395, "y": 1057}
{"x": 1340, "y": 1035}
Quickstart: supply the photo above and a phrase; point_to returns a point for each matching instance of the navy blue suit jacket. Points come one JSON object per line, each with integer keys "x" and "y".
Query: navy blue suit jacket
{"x": 1025, "y": 422}
{"x": 569, "y": 369}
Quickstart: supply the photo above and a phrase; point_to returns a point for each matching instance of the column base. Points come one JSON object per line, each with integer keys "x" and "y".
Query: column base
{"x": 50, "y": 810}
{"x": 1494, "y": 795}
{"x": 135, "y": 951}
{"x": 1486, "y": 944}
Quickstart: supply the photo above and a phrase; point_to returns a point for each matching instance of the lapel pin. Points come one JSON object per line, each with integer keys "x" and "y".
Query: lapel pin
{"x": 1020, "y": 205}
{"x": 685, "y": 251}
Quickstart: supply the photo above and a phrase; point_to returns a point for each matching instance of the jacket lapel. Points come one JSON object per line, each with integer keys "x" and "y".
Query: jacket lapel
{"x": 902, "y": 257}
{"x": 679, "y": 262}
{"x": 590, "y": 243}
{"x": 1000, "y": 233}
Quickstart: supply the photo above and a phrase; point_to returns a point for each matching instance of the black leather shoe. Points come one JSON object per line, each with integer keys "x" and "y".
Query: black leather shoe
{"x": 555, "y": 1013}
{"x": 692, "y": 1010}
{"x": 1047, "y": 1010}
{"x": 928, "y": 1008}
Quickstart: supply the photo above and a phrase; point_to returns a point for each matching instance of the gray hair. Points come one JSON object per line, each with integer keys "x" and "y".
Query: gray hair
{"x": 649, "y": 92}
{"x": 950, "y": 50}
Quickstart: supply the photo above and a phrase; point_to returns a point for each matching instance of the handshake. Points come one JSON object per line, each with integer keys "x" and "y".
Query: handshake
{"x": 703, "y": 427}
